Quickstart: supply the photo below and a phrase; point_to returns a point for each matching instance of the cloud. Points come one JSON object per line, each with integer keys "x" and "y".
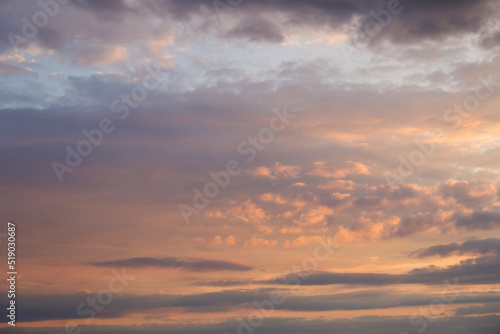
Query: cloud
{"x": 474, "y": 247}
{"x": 419, "y": 222}
{"x": 469, "y": 193}
{"x": 436, "y": 20}
{"x": 423, "y": 20}
{"x": 123, "y": 22}
{"x": 490, "y": 40}
{"x": 294, "y": 324}
{"x": 256, "y": 29}
{"x": 8, "y": 69}
{"x": 273, "y": 198}
{"x": 223, "y": 283}
{"x": 246, "y": 211}
{"x": 478, "y": 220}
{"x": 222, "y": 80}
{"x": 15, "y": 63}
{"x": 109, "y": 7}
{"x": 62, "y": 306}
{"x": 485, "y": 270}
{"x": 366, "y": 229}
{"x": 275, "y": 172}
{"x": 479, "y": 309}
{"x": 198, "y": 265}
{"x": 319, "y": 216}
{"x": 348, "y": 168}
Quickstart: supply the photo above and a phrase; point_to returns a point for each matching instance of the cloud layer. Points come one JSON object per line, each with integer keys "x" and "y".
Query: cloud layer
{"x": 198, "y": 265}
{"x": 341, "y": 153}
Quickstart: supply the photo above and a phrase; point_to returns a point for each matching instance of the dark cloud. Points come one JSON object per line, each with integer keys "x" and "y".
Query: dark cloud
{"x": 375, "y": 299}
{"x": 198, "y": 265}
{"x": 101, "y": 6}
{"x": 397, "y": 192}
{"x": 256, "y": 29}
{"x": 415, "y": 223}
{"x": 222, "y": 283}
{"x": 481, "y": 246}
{"x": 45, "y": 307}
{"x": 36, "y": 307}
{"x": 182, "y": 10}
{"x": 366, "y": 202}
{"x": 428, "y": 19}
{"x": 479, "y": 309}
{"x": 491, "y": 40}
{"x": 485, "y": 270}
{"x": 286, "y": 325}
{"x": 478, "y": 220}
{"x": 328, "y": 278}
{"x": 470, "y": 194}
{"x": 419, "y": 20}
{"x": 77, "y": 24}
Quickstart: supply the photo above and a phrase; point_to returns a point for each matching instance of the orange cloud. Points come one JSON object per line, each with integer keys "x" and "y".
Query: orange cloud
{"x": 349, "y": 168}
{"x": 316, "y": 216}
{"x": 269, "y": 197}
{"x": 277, "y": 171}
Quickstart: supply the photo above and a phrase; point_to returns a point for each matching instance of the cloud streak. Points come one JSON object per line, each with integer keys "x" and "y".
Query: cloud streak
{"x": 470, "y": 247}
{"x": 196, "y": 265}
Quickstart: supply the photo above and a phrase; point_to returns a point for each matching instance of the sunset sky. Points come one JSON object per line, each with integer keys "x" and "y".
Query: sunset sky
{"x": 251, "y": 166}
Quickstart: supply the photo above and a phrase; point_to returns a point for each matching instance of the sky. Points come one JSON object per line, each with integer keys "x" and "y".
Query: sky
{"x": 251, "y": 166}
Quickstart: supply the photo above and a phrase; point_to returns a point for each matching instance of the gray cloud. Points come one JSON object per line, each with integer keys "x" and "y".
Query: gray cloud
{"x": 61, "y": 306}
{"x": 286, "y": 325}
{"x": 485, "y": 270}
{"x": 480, "y": 246}
{"x": 199, "y": 265}
{"x": 479, "y": 309}
{"x": 491, "y": 40}
{"x": 428, "y": 19}
{"x": 35, "y": 307}
{"x": 482, "y": 220}
{"x": 102, "y": 6}
{"x": 469, "y": 194}
{"x": 422, "y": 20}
{"x": 256, "y": 29}
{"x": 415, "y": 223}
